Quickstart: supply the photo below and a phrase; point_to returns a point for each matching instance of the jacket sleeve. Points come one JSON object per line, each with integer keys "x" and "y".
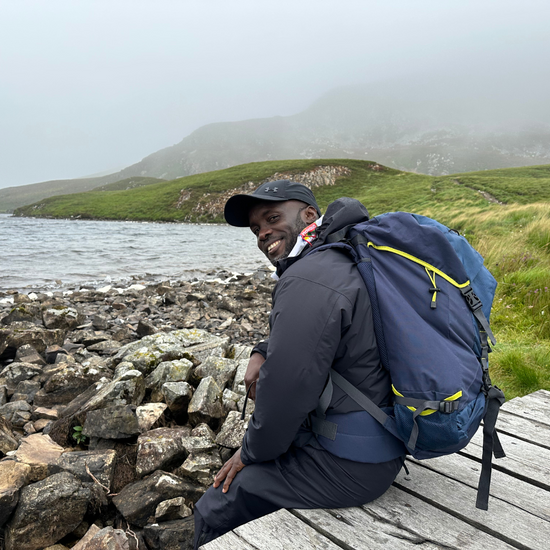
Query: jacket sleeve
{"x": 261, "y": 348}
{"x": 307, "y": 321}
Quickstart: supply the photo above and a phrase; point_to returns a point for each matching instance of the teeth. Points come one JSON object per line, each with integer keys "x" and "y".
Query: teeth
{"x": 272, "y": 246}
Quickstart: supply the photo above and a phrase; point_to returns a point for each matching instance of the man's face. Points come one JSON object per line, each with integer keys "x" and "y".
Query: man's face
{"x": 278, "y": 224}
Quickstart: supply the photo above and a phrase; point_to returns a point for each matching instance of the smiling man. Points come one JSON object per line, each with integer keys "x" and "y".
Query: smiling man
{"x": 321, "y": 319}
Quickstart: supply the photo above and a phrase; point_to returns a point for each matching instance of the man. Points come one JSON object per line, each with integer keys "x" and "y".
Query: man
{"x": 321, "y": 319}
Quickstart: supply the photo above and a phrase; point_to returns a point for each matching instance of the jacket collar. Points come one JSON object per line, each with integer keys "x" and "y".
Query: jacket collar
{"x": 340, "y": 213}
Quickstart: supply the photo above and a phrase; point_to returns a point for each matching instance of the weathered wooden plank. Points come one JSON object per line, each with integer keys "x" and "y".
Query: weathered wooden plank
{"x": 502, "y": 520}
{"x": 521, "y": 427}
{"x": 522, "y": 458}
{"x": 229, "y": 541}
{"x": 535, "y": 406}
{"x": 398, "y": 521}
{"x": 283, "y": 531}
{"x": 532, "y": 499}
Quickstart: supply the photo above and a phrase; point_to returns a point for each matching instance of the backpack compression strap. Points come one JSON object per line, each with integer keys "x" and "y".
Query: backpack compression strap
{"x": 491, "y": 442}
{"x": 495, "y": 398}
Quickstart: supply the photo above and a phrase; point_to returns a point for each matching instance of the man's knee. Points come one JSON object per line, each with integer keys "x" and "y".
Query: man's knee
{"x": 250, "y": 496}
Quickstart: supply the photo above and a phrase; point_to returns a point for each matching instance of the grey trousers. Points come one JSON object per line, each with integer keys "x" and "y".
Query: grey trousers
{"x": 304, "y": 477}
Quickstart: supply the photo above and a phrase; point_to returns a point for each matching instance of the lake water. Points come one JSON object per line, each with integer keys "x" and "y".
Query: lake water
{"x": 39, "y": 253}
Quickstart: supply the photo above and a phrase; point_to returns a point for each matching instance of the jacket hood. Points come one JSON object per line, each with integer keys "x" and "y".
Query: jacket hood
{"x": 340, "y": 213}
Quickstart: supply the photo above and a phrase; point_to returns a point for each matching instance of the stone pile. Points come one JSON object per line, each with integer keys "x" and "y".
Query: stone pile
{"x": 118, "y": 407}
{"x": 211, "y": 206}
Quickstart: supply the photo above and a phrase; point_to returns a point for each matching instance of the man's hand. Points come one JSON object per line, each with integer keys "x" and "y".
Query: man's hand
{"x": 253, "y": 373}
{"x": 229, "y": 470}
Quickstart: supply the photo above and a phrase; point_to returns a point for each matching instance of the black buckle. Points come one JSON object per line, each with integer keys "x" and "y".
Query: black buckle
{"x": 473, "y": 301}
{"x": 448, "y": 407}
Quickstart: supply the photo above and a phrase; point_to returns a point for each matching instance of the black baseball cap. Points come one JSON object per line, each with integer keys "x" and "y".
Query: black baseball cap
{"x": 238, "y": 206}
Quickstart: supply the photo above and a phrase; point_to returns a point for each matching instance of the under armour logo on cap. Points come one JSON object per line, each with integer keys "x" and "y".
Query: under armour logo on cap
{"x": 268, "y": 189}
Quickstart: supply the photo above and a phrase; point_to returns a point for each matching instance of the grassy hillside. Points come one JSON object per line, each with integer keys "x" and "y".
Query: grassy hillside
{"x": 513, "y": 234}
{"x": 128, "y": 183}
{"x": 13, "y": 197}
{"x": 162, "y": 201}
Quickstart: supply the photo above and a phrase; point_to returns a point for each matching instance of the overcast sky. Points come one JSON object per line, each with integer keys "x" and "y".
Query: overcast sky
{"x": 90, "y": 86}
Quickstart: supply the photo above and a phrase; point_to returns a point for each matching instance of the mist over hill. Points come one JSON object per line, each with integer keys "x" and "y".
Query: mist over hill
{"x": 434, "y": 127}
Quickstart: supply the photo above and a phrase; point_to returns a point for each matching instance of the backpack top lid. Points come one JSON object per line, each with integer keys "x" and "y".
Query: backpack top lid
{"x": 400, "y": 230}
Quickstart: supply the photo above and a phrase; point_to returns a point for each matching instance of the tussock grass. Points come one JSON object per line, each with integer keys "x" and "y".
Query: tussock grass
{"x": 514, "y": 240}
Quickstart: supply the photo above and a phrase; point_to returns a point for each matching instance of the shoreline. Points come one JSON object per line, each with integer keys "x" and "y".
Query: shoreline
{"x": 212, "y": 299}
{"x": 120, "y": 284}
{"x": 80, "y": 219}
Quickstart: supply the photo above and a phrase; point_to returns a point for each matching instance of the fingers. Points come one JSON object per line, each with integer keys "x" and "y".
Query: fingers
{"x": 235, "y": 469}
{"x": 228, "y": 472}
{"x": 229, "y": 479}
{"x": 252, "y": 393}
{"x": 220, "y": 476}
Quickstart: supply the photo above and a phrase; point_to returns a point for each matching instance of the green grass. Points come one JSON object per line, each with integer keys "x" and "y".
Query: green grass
{"x": 513, "y": 237}
{"x": 518, "y": 185}
{"x": 128, "y": 183}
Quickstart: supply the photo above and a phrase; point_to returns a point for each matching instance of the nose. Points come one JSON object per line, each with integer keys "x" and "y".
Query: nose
{"x": 264, "y": 233}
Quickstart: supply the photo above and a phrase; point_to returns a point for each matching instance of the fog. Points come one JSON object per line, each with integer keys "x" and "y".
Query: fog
{"x": 93, "y": 86}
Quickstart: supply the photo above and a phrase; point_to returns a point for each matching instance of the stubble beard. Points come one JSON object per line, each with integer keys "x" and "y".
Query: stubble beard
{"x": 298, "y": 226}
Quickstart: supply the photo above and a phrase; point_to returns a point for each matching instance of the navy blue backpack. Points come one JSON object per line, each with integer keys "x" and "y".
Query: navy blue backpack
{"x": 431, "y": 298}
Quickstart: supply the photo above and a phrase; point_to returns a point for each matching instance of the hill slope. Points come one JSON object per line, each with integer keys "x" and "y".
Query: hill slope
{"x": 423, "y": 127}
{"x": 12, "y": 197}
{"x": 201, "y": 197}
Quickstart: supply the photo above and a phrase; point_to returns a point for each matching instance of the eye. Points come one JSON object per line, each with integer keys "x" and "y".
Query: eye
{"x": 273, "y": 219}
{"x": 255, "y": 230}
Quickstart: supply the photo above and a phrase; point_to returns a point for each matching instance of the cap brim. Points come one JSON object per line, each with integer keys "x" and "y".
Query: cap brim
{"x": 238, "y": 207}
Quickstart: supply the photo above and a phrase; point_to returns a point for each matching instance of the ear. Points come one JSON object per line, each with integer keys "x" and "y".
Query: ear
{"x": 309, "y": 215}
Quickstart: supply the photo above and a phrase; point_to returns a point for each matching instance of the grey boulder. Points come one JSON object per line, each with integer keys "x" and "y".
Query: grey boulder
{"x": 232, "y": 432}
{"x": 172, "y": 509}
{"x": 178, "y": 370}
{"x": 68, "y": 381}
{"x": 201, "y": 467}
{"x": 206, "y": 404}
{"x": 117, "y": 422}
{"x": 138, "y": 501}
{"x": 18, "y": 372}
{"x": 149, "y": 414}
{"x": 66, "y": 318}
{"x": 177, "y": 396}
{"x": 18, "y": 413}
{"x": 89, "y": 466}
{"x": 108, "y": 539}
{"x": 170, "y": 535}
{"x": 13, "y": 476}
{"x": 159, "y": 449}
{"x": 47, "y": 511}
{"x": 7, "y": 441}
{"x": 221, "y": 369}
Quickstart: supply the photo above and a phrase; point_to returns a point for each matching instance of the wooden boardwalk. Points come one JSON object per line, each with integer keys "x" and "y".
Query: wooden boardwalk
{"x": 434, "y": 506}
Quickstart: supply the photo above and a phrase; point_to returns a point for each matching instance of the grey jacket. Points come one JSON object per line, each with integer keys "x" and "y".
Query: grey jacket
{"x": 321, "y": 319}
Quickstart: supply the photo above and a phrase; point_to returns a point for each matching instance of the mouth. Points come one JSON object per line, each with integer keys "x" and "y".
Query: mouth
{"x": 273, "y": 246}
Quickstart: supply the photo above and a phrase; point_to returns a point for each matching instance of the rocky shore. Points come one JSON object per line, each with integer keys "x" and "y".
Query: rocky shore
{"x": 118, "y": 406}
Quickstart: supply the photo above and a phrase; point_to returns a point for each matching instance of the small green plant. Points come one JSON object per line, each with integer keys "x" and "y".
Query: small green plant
{"x": 78, "y": 436}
